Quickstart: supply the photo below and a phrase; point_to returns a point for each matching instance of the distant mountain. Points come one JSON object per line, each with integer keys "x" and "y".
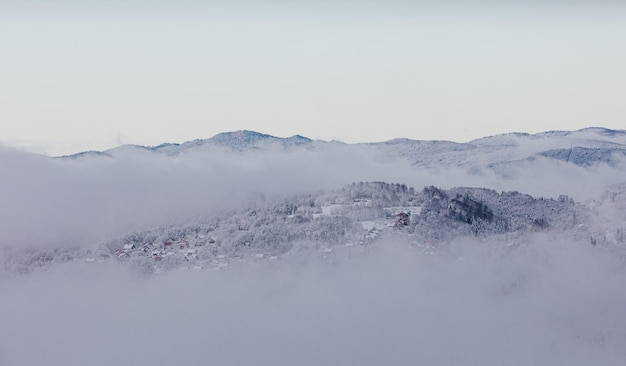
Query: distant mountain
{"x": 583, "y": 147}
{"x": 86, "y": 155}
{"x": 231, "y": 141}
{"x": 246, "y": 139}
{"x": 592, "y": 145}
{"x": 585, "y": 156}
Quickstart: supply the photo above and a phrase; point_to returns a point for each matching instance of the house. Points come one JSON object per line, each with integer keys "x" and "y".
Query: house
{"x": 183, "y": 244}
{"x": 129, "y": 246}
{"x": 402, "y": 219}
{"x": 168, "y": 243}
{"x": 204, "y": 241}
{"x": 191, "y": 254}
{"x": 146, "y": 247}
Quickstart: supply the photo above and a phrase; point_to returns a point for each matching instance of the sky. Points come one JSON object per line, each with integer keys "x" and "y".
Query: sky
{"x": 91, "y": 75}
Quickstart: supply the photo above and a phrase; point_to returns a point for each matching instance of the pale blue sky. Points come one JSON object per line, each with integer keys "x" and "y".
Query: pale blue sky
{"x": 77, "y": 75}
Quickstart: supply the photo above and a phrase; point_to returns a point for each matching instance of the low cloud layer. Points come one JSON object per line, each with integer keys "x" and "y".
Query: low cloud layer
{"x": 81, "y": 202}
{"x": 539, "y": 299}
{"x": 545, "y": 302}
{"x": 67, "y": 202}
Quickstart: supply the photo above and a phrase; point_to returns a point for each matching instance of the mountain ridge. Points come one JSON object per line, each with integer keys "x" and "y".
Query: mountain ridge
{"x": 246, "y": 138}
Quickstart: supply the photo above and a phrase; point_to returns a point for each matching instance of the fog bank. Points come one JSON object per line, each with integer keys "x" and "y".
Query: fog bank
{"x": 544, "y": 302}
{"x": 86, "y": 200}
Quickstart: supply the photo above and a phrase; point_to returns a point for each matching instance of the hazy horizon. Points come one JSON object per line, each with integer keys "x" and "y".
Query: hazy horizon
{"x": 39, "y": 149}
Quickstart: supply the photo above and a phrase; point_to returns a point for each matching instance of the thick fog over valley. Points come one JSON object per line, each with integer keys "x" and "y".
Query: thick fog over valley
{"x": 246, "y": 248}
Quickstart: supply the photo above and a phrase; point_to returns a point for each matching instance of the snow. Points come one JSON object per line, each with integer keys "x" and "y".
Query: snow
{"x": 330, "y": 210}
{"x": 369, "y": 225}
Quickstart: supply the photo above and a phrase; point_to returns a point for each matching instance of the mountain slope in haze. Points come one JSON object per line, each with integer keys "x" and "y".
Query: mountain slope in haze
{"x": 608, "y": 146}
{"x": 231, "y": 141}
{"x": 582, "y": 147}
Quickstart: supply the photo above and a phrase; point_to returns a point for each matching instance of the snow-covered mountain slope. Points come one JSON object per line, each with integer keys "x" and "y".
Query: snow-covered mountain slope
{"x": 324, "y": 223}
{"x": 584, "y": 147}
{"x": 585, "y": 156}
{"x": 231, "y": 141}
{"x": 235, "y": 141}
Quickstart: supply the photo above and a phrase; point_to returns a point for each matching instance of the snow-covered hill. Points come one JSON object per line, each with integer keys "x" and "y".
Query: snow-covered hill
{"x": 323, "y": 223}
